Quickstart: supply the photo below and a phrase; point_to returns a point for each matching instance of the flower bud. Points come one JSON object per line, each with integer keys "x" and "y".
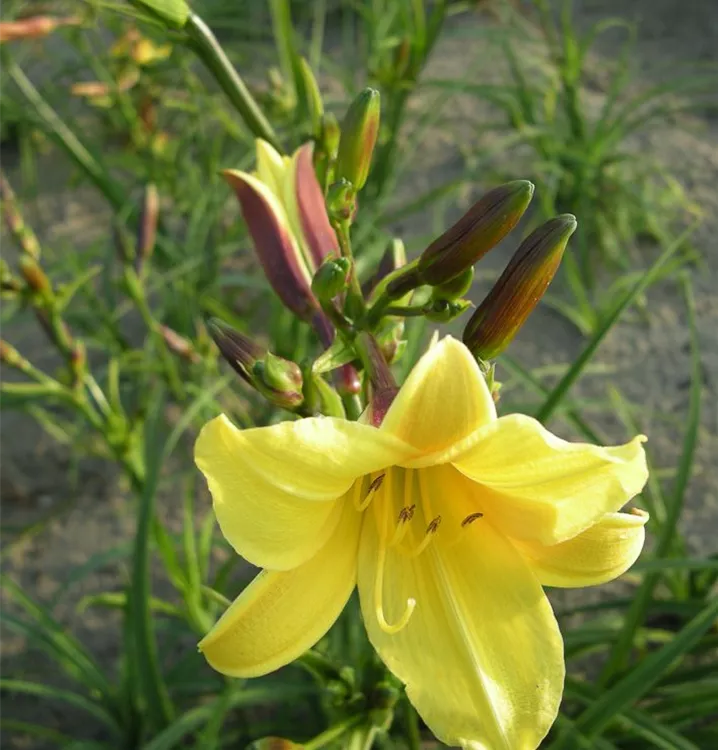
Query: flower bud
{"x": 274, "y": 743}
{"x": 519, "y": 288}
{"x": 341, "y": 201}
{"x": 22, "y": 234}
{"x": 456, "y": 287}
{"x": 482, "y": 227}
{"x": 239, "y": 350}
{"x": 310, "y": 97}
{"x": 11, "y": 357}
{"x": 34, "y": 27}
{"x": 34, "y": 276}
{"x": 311, "y": 207}
{"x": 179, "y": 344}
{"x": 330, "y": 135}
{"x": 332, "y": 278}
{"x": 147, "y": 231}
{"x": 279, "y": 380}
{"x": 274, "y": 244}
{"x": 359, "y": 133}
{"x": 444, "y": 311}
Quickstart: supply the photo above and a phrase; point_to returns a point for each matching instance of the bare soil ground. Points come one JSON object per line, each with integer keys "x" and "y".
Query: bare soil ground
{"x": 645, "y": 357}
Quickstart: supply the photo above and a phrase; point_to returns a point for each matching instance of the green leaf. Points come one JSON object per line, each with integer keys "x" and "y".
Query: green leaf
{"x": 339, "y": 353}
{"x": 574, "y": 372}
{"x": 63, "y": 695}
{"x": 174, "y": 13}
{"x": 637, "y": 611}
{"x": 641, "y": 678}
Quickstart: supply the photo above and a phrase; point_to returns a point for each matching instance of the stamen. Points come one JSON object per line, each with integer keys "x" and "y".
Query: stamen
{"x": 405, "y": 515}
{"x": 362, "y": 505}
{"x": 426, "y": 541}
{"x": 471, "y": 518}
{"x": 387, "y": 627}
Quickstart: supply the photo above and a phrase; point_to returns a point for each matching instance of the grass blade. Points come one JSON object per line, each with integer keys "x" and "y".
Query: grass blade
{"x": 637, "y": 612}
{"x": 574, "y": 372}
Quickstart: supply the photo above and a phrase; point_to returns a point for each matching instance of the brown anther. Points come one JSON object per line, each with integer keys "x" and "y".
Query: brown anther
{"x": 471, "y": 518}
{"x": 406, "y": 514}
{"x": 376, "y": 483}
{"x": 434, "y": 525}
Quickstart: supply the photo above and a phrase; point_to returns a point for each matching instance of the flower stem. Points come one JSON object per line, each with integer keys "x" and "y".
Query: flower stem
{"x": 214, "y": 57}
{"x": 333, "y": 733}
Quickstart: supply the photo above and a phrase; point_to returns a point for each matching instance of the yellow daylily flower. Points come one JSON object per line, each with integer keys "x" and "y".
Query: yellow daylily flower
{"x": 449, "y": 519}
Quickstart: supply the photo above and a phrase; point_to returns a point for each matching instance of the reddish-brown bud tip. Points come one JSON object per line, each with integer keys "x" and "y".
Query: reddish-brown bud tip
{"x": 519, "y": 288}
{"x": 482, "y": 227}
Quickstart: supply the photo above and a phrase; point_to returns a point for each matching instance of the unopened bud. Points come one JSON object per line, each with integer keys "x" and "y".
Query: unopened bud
{"x": 359, "y": 133}
{"x": 444, "y": 311}
{"x": 482, "y": 227}
{"x": 274, "y": 743}
{"x": 239, "y": 350}
{"x": 23, "y": 235}
{"x": 279, "y": 380}
{"x": 10, "y": 356}
{"x": 331, "y": 278}
{"x": 179, "y": 344}
{"x": 34, "y": 27}
{"x": 34, "y": 276}
{"x": 78, "y": 361}
{"x": 519, "y": 288}
{"x": 456, "y": 287}
{"x": 147, "y": 231}
{"x": 341, "y": 202}
{"x": 311, "y": 97}
{"x": 330, "y": 135}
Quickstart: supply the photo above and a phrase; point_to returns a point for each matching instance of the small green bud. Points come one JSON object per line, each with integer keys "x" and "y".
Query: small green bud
{"x": 359, "y": 133}
{"x": 34, "y": 276}
{"x": 330, "y": 136}
{"x": 483, "y": 226}
{"x": 11, "y": 357}
{"x": 331, "y": 278}
{"x": 456, "y": 287}
{"x": 311, "y": 97}
{"x": 147, "y": 230}
{"x": 444, "y": 311}
{"x": 274, "y": 743}
{"x": 519, "y": 288}
{"x": 279, "y": 380}
{"x": 341, "y": 202}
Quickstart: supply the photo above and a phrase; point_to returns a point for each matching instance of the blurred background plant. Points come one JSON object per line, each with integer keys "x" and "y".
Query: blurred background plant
{"x": 139, "y": 106}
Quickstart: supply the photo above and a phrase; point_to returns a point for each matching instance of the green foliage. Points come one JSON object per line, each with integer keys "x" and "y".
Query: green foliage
{"x": 136, "y": 373}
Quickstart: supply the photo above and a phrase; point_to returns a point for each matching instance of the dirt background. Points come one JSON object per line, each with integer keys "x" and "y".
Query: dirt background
{"x": 646, "y": 357}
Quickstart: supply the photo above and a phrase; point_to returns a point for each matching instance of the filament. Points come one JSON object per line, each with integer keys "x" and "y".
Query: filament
{"x": 390, "y": 628}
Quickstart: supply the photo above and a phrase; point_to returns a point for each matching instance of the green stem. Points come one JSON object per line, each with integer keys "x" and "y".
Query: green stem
{"x": 214, "y": 57}
{"x": 65, "y": 138}
{"x": 352, "y": 406}
{"x": 333, "y": 733}
{"x": 405, "y": 311}
{"x": 356, "y": 304}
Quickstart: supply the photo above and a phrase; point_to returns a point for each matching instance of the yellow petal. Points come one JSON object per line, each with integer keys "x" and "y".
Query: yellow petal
{"x": 273, "y": 487}
{"x": 444, "y": 399}
{"x": 270, "y": 167}
{"x": 539, "y": 487}
{"x": 481, "y": 654}
{"x": 601, "y": 553}
{"x": 282, "y": 614}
